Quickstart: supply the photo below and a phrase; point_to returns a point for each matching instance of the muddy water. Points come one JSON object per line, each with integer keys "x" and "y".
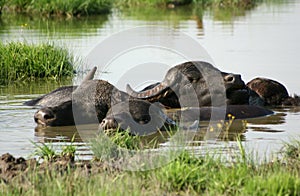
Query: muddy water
{"x": 263, "y": 41}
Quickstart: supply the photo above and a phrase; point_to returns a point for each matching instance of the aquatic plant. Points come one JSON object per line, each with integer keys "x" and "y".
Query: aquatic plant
{"x": 291, "y": 153}
{"x": 23, "y": 61}
{"x": 109, "y": 145}
{"x": 60, "y": 7}
{"x": 44, "y": 151}
{"x": 68, "y": 150}
{"x": 78, "y": 8}
{"x": 47, "y": 152}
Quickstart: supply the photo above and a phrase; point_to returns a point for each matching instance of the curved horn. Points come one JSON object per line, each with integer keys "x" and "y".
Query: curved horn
{"x": 147, "y": 93}
{"x": 90, "y": 75}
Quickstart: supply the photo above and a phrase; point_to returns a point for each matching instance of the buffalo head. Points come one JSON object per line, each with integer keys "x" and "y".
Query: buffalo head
{"x": 197, "y": 79}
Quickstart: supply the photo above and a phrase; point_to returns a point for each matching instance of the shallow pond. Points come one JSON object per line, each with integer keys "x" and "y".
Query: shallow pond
{"x": 263, "y": 41}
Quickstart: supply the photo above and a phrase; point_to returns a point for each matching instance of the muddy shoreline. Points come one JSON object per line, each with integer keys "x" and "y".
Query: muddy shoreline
{"x": 17, "y": 168}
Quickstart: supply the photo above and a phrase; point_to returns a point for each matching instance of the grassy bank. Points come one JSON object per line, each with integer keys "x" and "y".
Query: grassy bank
{"x": 57, "y": 7}
{"x": 22, "y": 61}
{"x": 80, "y": 7}
{"x": 186, "y": 175}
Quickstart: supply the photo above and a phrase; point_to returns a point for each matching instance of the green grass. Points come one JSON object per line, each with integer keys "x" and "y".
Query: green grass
{"x": 45, "y": 151}
{"x": 23, "y": 61}
{"x": 113, "y": 144}
{"x": 60, "y": 7}
{"x": 70, "y": 8}
{"x": 48, "y": 153}
{"x": 2, "y": 3}
{"x": 186, "y": 175}
{"x": 292, "y": 150}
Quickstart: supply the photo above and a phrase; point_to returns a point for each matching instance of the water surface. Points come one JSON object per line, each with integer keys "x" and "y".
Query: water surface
{"x": 263, "y": 41}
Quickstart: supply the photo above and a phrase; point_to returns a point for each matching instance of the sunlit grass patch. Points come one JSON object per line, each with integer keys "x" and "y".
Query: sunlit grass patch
{"x": 24, "y": 61}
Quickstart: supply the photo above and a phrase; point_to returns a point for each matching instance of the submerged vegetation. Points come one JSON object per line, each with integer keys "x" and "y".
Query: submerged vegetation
{"x": 23, "y": 61}
{"x": 187, "y": 174}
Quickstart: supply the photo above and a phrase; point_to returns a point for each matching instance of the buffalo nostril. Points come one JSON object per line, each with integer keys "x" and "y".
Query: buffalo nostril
{"x": 106, "y": 124}
{"x": 48, "y": 116}
{"x": 43, "y": 115}
{"x": 103, "y": 122}
{"x": 36, "y": 117}
{"x": 109, "y": 123}
{"x": 229, "y": 78}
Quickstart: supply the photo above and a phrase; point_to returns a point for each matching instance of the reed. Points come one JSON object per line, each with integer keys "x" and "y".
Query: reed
{"x": 23, "y": 61}
{"x": 78, "y": 8}
{"x": 60, "y": 7}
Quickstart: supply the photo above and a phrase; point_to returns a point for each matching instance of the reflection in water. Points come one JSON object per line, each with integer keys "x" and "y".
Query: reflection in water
{"x": 59, "y": 137}
{"x": 177, "y": 18}
{"x": 57, "y": 134}
{"x": 293, "y": 109}
{"x": 263, "y": 124}
{"x": 32, "y": 88}
{"x": 228, "y": 14}
{"x": 39, "y": 27}
{"x": 231, "y": 132}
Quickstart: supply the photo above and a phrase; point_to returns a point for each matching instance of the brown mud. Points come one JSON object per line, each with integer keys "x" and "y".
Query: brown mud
{"x": 12, "y": 168}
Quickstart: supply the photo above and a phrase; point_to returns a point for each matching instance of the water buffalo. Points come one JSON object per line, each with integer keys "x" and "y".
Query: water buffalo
{"x": 97, "y": 101}
{"x": 92, "y": 101}
{"x": 272, "y": 92}
{"x": 59, "y": 95}
{"x": 141, "y": 117}
{"x": 199, "y": 78}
